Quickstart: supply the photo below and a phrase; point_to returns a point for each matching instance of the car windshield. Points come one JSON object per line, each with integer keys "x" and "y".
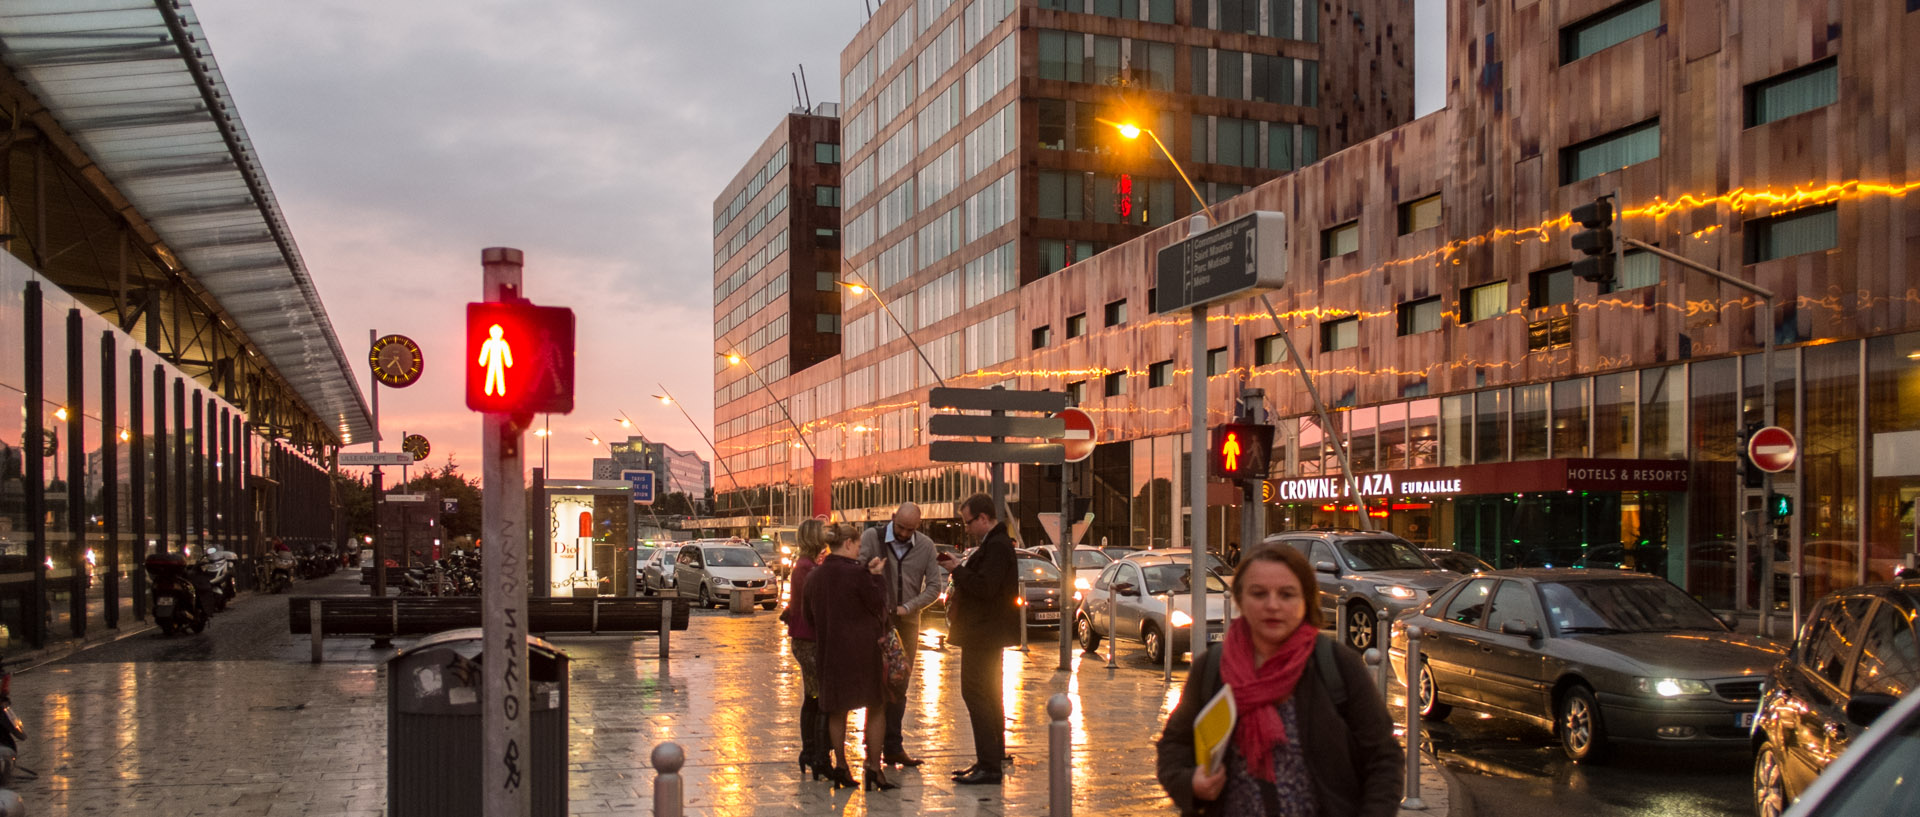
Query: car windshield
{"x": 765, "y": 547}
{"x": 1385, "y": 554}
{"x": 1038, "y": 570}
{"x": 641, "y": 555}
{"x": 1084, "y": 559}
{"x": 733, "y": 557}
{"x": 1624, "y": 607}
{"x": 1173, "y": 579}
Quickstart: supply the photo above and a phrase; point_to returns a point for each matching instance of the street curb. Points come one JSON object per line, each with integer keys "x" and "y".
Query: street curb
{"x": 35, "y": 659}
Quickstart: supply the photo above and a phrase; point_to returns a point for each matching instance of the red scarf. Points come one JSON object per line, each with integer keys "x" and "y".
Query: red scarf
{"x": 1256, "y": 689}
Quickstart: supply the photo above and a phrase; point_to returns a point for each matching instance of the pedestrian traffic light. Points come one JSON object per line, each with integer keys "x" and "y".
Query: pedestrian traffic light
{"x": 1750, "y": 475}
{"x": 1595, "y": 241}
{"x": 1779, "y": 506}
{"x": 1240, "y": 451}
{"x": 519, "y": 358}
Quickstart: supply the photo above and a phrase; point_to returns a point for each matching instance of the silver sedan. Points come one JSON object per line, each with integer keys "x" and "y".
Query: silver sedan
{"x": 1131, "y": 600}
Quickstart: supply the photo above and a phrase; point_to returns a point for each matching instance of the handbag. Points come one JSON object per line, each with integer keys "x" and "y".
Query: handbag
{"x": 895, "y": 656}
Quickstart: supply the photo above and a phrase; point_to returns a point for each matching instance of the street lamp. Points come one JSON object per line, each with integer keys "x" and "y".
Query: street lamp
{"x": 734, "y": 359}
{"x": 666, "y": 398}
{"x": 858, "y": 287}
{"x": 1132, "y": 131}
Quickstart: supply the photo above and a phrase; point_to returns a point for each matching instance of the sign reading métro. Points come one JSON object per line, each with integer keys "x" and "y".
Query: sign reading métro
{"x": 519, "y": 358}
{"x": 1234, "y": 259}
{"x": 1772, "y": 449}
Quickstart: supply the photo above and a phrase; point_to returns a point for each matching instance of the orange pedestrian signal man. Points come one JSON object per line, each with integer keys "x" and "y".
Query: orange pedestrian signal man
{"x": 497, "y": 357}
{"x": 1231, "y": 450}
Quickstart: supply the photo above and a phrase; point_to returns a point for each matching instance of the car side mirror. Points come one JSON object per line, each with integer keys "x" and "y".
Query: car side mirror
{"x": 1731, "y": 620}
{"x": 1865, "y": 708}
{"x": 1514, "y": 626}
{"x": 1123, "y": 588}
{"x": 1325, "y": 567}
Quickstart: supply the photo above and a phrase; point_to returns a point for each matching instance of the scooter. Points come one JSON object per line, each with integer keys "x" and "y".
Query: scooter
{"x": 280, "y": 578}
{"x": 217, "y": 568}
{"x": 11, "y": 732}
{"x": 176, "y": 603}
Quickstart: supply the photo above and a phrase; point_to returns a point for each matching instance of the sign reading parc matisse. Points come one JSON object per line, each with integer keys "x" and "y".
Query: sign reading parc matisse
{"x": 1491, "y": 478}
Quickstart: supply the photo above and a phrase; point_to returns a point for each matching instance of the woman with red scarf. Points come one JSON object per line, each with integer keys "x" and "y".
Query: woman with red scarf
{"x": 1300, "y": 748}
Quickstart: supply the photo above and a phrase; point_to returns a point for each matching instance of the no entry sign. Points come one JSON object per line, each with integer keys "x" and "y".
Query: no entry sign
{"x": 1772, "y": 449}
{"x": 1078, "y": 440}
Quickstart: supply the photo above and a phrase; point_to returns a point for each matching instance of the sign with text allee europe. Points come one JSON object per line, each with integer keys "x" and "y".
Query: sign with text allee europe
{"x": 1238, "y": 258}
{"x": 1491, "y": 478}
{"x": 372, "y": 458}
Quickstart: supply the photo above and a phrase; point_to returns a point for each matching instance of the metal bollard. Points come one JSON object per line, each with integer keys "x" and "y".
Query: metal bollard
{"x": 1020, "y": 596}
{"x": 1340, "y": 625}
{"x": 313, "y": 623}
{"x": 1166, "y": 640}
{"x": 1380, "y": 629}
{"x": 666, "y": 623}
{"x": 1110, "y": 631}
{"x": 1059, "y": 756}
{"x": 667, "y": 759}
{"x": 1412, "y": 799}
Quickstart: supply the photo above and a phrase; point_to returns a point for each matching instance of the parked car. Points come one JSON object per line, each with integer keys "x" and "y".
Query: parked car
{"x": 1119, "y": 551}
{"x": 1215, "y": 564}
{"x": 654, "y": 572}
{"x": 770, "y": 554}
{"x": 1879, "y": 774}
{"x": 1041, "y": 582}
{"x": 1361, "y": 571}
{"x": 712, "y": 572}
{"x": 1458, "y": 561}
{"x": 1855, "y": 658}
{"x": 1596, "y": 656}
{"x": 1135, "y": 594}
{"x": 1084, "y": 558}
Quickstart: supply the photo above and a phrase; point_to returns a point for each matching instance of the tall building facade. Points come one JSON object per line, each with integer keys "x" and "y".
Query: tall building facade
{"x": 674, "y": 471}
{"x": 981, "y": 153}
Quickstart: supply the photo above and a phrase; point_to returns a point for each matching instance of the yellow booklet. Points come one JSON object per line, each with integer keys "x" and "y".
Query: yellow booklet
{"x": 1212, "y": 728}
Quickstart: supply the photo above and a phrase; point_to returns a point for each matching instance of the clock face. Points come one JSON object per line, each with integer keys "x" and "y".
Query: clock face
{"x": 396, "y": 361}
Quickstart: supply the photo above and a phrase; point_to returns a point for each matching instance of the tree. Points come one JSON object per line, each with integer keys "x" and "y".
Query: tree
{"x": 448, "y": 481}
{"x": 674, "y": 504}
{"x": 356, "y": 505}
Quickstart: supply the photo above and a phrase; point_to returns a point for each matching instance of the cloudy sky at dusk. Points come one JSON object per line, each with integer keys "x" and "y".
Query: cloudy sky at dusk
{"x": 402, "y": 138}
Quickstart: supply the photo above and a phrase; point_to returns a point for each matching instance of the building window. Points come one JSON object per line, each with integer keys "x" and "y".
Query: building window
{"x": 1160, "y": 374}
{"x": 1216, "y": 361}
{"x": 826, "y": 195}
{"x": 1269, "y": 350}
{"x": 1793, "y": 92}
{"x": 1605, "y": 154}
{"x": 1153, "y": 300}
{"x": 1076, "y": 326}
{"x": 1550, "y": 333}
{"x": 1338, "y": 241}
{"x": 1484, "y": 301}
{"x": 826, "y": 324}
{"x": 1042, "y": 337}
{"x": 1117, "y": 312}
{"x": 1077, "y": 392}
{"x": 830, "y": 233}
{"x": 1419, "y": 316}
{"x": 826, "y": 153}
{"x": 824, "y": 282}
{"x": 1638, "y": 269}
{"x": 1340, "y": 334}
{"x": 1608, "y": 28}
{"x": 1420, "y": 214}
{"x": 1114, "y": 384}
{"x": 1809, "y": 229}
{"x": 1549, "y": 287}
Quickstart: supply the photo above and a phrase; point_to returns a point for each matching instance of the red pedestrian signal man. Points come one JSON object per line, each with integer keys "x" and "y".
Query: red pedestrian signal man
{"x": 1231, "y": 450}
{"x": 532, "y": 344}
{"x": 497, "y": 357}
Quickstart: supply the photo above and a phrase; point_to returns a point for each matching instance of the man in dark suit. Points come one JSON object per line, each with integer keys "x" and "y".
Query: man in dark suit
{"x": 984, "y": 622}
{"x": 914, "y": 581}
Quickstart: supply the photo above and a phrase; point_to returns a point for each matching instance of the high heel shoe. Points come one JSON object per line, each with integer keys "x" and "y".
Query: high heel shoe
{"x": 875, "y": 778}
{"x": 842, "y": 777}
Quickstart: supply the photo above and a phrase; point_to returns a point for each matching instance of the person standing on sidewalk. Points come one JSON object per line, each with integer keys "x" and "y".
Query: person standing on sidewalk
{"x": 983, "y": 621}
{"x": 847, "y": 606}
{"x": 1313, "y": 737}
{"x": 813, "y": 720}
{"x": 914, "y": 580}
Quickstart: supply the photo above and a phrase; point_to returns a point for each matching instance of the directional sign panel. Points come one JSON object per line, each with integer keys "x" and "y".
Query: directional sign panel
{"x": 997, "y": 400}
{"x": 1772, "y": 449}
{"x": 980, "y": 425}
{"x": 1234, "y": 259}
{"x": 381, "y": 458}
{"x": 642, "y": 482}
{"x": 1027, "y": 453}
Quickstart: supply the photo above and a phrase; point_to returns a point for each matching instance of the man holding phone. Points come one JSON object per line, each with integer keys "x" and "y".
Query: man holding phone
{"x": 984, "y": 622}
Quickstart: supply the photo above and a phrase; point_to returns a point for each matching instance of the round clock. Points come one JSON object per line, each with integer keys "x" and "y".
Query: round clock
{"x": 396, "y": 361}
{"x": 417, "y": 446}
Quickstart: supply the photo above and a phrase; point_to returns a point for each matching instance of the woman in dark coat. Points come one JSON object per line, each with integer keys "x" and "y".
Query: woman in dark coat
{"x": 813, "y": 721}
{"x": 846, "y": 602}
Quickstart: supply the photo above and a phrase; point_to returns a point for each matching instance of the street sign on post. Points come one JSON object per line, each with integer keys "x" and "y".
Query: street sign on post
{"x": 998, "y": 427}
{"x": 1235, "y": 259}
{"x": 376, "y": 458}
{"x": 642, "y": 482}
{"x": 997, "y": 400}
{"x": 1023, "y": 453}
{"x": 1078, "y": 437}
{"x": 1772, "y": 449}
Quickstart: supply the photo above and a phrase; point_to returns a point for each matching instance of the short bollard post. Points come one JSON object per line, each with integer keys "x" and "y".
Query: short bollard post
{"x": 1020, "y": 597}
{"x": 1380, "y": 625}
{"x": 313, "y": 621}
{"x": 1412, "y": 799}
{"x": 666, "y": 623}
{"x": 667, "y": 760}
{"x": 1340, "y": 628}
{"x": 1059, "y": 756}
{"x": 1166, "y": 641}
{"x": 1111, "y": 606}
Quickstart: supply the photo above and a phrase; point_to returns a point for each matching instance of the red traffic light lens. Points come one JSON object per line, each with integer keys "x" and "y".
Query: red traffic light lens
{"x": 519, "y": 358}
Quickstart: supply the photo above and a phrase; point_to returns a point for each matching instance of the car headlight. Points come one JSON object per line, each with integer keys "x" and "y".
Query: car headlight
{"x": 1398, "y": 592}
{"x": 1671, "y": 687}
{"x": 721, "y": 582}
{"x": 1181, "y": 619}
{"x": 1081, "y": 584}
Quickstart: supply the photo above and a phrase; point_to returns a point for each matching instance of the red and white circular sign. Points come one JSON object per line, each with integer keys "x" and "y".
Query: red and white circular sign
{"x": 1079, "y": 440}
{"x": 1772, "y": 449}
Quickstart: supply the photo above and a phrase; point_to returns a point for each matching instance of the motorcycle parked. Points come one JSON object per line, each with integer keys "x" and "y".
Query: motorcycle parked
{"x": 176, "y": 602}
{"x": 11, "y": 732}
{"x": 217, "y": 568}
{"x": 280, "y": 571}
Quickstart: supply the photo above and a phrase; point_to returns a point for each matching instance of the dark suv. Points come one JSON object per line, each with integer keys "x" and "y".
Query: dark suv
{"x": 1361, "y": 571}
{"x": 1855, "y": 657}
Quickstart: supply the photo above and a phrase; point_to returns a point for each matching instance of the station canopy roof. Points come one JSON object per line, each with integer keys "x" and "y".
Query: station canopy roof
{"x": 163, "y": 130}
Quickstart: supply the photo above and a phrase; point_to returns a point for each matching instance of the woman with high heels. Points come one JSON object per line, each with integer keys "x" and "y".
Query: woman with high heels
{"x": 846, "y": 601}
{"x": 813, "y": 720}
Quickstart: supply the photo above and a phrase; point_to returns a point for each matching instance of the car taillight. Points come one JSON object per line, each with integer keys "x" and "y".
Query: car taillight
{"x": 6, "y": 685}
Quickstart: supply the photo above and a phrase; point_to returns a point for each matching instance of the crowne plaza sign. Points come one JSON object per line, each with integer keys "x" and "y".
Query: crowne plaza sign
{"x": 1491, "y": 478}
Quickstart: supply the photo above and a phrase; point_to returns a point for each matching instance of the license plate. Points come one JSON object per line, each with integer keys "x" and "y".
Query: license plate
{"x": 1215, "y": 637}
{"x": 163, "y": 606}
{"x": 1745, "y": 720}
{"x": 1055, "y": 616}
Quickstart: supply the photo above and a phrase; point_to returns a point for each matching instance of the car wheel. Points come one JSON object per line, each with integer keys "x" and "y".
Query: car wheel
{"x": 166, "y": 626}
{"x": 1431, "y": 708}
{"x": 1156, "y": 646}
{"x": 1583, "y": 733}
{"x": 766, "y": 605}
{"x": 1361, "y": 622}
{"x": 199, "y": 623}
{"x": 1769, "y": 782}
{"x": 706, "y": 597}
{"x": 1089, "y": 641}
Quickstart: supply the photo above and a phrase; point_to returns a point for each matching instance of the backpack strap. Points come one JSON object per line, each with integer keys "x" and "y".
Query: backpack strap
{"x": 1330, "y": 673}
{"x": 1210, "y": 672}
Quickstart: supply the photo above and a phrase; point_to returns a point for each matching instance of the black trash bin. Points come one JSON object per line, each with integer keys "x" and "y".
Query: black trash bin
{"x": 433, "y": 727}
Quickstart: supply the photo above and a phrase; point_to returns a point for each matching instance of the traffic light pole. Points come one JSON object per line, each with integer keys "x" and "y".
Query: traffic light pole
{"x": 1252, "y": 410}
{"x": 1795, "y": 581}
{"x": 506, "y": 716}
{"x": 1197, "y": 482}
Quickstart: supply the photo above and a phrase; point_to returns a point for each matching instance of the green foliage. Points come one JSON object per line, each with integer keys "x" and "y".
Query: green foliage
{"x": 448, "y": 481}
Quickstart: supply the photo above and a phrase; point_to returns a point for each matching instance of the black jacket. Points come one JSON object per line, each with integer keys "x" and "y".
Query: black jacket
{"x": 1357, "y": 766}
{"x": 980, "y": 610}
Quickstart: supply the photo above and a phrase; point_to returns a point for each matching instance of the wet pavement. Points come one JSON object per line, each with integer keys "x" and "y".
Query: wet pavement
{"x": 236, "y": 721}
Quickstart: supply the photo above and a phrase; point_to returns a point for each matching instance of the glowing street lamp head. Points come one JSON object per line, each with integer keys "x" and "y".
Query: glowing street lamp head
{"x": 1129, "y": 130}
{"x": 856, "y": 289}
{"x": 60, "y": 414}
{"x": 733, "y": 360}
{"x": 625, "y": 423}
{"x": 664, "y": 400}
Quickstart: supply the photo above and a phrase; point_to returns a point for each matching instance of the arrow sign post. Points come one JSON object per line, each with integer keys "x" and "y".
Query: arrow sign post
{"x": 376, "y": 458}
{"x": 1772, "y": 449}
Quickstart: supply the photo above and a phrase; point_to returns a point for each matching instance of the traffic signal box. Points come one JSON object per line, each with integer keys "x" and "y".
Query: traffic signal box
{"x": 1750, "y": 475}
{"x": 1240, "y": 451}
{"x": 1595, "y": 242}
{"x": 519, "y": 358}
